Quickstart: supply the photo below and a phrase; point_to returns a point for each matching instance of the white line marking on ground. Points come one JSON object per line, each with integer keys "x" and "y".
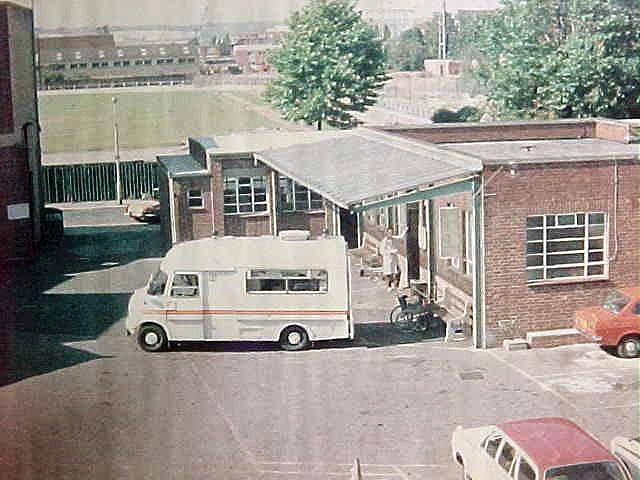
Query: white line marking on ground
{"x": 540, "y": 384}
{"x": 227, "y": 420}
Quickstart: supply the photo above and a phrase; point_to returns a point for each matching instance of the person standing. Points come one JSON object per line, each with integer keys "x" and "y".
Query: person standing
{"x": 390, "y": 264}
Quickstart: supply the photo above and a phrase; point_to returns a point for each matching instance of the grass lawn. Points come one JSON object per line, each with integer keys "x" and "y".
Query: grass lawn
{"x": 84, "y": 121}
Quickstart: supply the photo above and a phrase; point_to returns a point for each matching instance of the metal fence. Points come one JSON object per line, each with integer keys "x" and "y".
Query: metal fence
{"x": 94, "y": 182}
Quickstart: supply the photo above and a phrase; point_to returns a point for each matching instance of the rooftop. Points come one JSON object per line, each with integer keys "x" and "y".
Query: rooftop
{"x": 552, "y": 442}
{"x": 238, "y": 143}
{"x": 363, "y": 164}
{"x": 176, "y": 165}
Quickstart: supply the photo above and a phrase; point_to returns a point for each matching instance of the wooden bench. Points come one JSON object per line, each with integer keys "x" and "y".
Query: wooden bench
{"x": 456, "y": 313}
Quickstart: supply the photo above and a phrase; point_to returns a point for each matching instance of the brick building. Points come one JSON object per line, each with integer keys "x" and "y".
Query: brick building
{"x": 521, "y": 223}
{"x": 20, "y": 197}
{"x": 96, "y": 60}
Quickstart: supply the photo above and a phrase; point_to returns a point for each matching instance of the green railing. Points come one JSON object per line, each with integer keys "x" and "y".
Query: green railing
{"x": 94, "y": 182}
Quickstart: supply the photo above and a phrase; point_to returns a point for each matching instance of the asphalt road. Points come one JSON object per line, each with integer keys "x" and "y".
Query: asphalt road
{"x": 79, "y": 400}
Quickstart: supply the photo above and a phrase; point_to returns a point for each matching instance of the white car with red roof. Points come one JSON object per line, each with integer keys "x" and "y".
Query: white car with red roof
{"x": 534, "y": 449}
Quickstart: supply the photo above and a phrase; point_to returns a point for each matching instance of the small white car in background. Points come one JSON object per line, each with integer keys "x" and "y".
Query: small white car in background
{"x": 146, "y": 209}
{"x": 533, "y": 449}
{"x": 627, "y": 450}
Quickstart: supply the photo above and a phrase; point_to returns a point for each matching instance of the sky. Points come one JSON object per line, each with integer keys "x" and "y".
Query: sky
{"x": 89, "y": 13}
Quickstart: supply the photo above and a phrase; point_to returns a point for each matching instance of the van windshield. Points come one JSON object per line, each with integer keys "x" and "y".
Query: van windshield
{"x": 157, "y": 283}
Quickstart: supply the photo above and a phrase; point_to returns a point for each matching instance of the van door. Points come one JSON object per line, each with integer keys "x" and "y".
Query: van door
{"x": 221, "y": 305}
{"x": 185, "y": 316}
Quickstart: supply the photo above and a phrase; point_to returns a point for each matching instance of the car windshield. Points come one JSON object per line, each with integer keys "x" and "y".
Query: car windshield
{"x": 615, "y": 301}
{"x": 586, "y": 471}
{"x": 157, "y": 283}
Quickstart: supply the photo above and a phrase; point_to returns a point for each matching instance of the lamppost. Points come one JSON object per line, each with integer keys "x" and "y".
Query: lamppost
{"x": 116, "y": 149}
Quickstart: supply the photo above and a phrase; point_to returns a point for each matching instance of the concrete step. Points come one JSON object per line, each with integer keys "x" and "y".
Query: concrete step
{"x": 556, "y": 338}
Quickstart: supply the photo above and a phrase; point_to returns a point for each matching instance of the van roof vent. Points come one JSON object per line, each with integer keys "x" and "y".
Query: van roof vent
{"x": 294, "y": 235}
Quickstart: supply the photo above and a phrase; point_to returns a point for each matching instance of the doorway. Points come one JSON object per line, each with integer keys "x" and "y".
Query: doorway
{"x": 413, "y": 251}
{"x": 349, "y": 227}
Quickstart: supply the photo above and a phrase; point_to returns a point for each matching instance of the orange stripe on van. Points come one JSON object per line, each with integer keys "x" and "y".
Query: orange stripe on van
{"x": 247, "y": 312}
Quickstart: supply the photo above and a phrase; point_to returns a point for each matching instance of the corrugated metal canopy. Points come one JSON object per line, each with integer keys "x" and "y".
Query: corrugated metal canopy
{"x": 364, "y": 164}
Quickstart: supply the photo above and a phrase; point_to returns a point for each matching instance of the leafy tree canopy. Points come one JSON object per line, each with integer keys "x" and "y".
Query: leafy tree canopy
{"x": 563, "y": 58}
{"x": 329, "y": 64}
{"x": 409, "y": 51}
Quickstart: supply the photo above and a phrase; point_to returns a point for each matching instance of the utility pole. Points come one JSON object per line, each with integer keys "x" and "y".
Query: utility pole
{"x": 116, "y": 149}
{"x": 443, "y": 31}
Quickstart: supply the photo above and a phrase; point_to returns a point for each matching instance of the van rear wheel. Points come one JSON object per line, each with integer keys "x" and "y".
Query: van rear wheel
{"x": 294, "y": 338}
{"x": 151, "y": 338}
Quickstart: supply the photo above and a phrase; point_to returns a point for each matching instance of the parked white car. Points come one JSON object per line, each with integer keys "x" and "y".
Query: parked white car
{"x": 627, "y": 450}
{"x": 533, "y": 449}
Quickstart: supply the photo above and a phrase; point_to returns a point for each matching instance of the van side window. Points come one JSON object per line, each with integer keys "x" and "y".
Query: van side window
{"x": 184, "y": 285}
{"x": 285, "y": 281}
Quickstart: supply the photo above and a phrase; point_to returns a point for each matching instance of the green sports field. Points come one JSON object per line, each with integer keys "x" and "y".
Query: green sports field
{"x": 157, "y": 117}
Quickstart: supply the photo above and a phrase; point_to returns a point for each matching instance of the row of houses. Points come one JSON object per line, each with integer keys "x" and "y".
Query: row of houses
{"x": 521, "y": 222}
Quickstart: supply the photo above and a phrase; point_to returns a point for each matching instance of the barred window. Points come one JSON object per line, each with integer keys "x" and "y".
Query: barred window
{"x": 286, "y": 281}
{"x": 295, "y": 197}
{"x": 245, "y": 195}
{"x": 566, "y": 246}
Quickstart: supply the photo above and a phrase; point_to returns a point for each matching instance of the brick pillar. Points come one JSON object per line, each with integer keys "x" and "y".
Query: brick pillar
{"x": 217, "y": 190}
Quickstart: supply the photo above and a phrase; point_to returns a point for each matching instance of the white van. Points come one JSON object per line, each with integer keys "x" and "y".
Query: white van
{"x": 287, "y": 289}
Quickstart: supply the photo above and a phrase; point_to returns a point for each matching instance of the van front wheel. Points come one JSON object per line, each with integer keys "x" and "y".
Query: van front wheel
{"x": 294, "y": 338}
{"x": 151, "y": 338}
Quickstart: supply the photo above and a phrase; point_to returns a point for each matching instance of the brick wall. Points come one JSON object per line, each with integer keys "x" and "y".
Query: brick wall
{"x": 16, "y": 235}
{"x": 314, "y": 222}
{"x": 6, "y": 105}
{"x": 499, "y": 131}
{"x": 512, "y": 306}
{"x": 165, "y": 212}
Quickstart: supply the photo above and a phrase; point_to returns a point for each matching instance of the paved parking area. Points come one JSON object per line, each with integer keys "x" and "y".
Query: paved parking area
{"x": 82, "y": 401}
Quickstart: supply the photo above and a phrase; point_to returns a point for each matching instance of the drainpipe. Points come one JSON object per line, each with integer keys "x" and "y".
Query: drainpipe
{"x": 274, "y": 207}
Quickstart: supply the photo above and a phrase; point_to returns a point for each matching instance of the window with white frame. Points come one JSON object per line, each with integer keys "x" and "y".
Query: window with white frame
{"x": 245, "y": 195}
{"x": 194, "y": 198}
{"x": 286, "y": 281}
{"x": 566, "y": 246}
{"x": 295, "y": 197}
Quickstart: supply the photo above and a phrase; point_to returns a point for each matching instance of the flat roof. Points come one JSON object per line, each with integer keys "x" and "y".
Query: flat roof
{"x": 251, "y": 142}
{"x": 362, "y": 164}
{"x": 180, "y": 165}
{"x": 545, "y": 151}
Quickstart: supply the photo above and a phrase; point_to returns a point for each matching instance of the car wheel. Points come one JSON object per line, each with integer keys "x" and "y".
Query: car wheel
{"x": 294, "y": 338}
{"x": 151, "y": 338}
{"x": 629, "y": 347}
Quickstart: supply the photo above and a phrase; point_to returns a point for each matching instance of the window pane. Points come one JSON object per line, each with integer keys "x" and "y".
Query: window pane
{"x": 566, "y": 219}
{"x": 551, "y": 220}
{"x": 596, "y": 218}
{"x": 535, "y": 221}
{"x": 565, "y": 272}
{"x": 230, "y": 209}
{"x": 195, "y": 202}
{"x": 525, "y": 472}
{"x": 565, "y": 259}
{"x": 534, "y": 247}
{"x": 565, "y": 246}
{"x": 245, "y": 208}
{"x": 534, "y": 260}
{"x": 261, "y": 207}
{"x": 596, "y": 256}
{"x": 184, "y": 285}
{"x": 492, "y": 446}
{"x": 537, "y": 274}
{"x": 596, "y": 230}
{"x": 554, "y": 233}
{"x": 195, "y": 193}
{"x": 595, "y": 270}
{"x": 534, "y": 234}
{"x": 245, "y": 189}
{"x": 596, "y": 244}
{"x": 265, "y": 285}
{"x": 506, "y": 456}
{"x": 303, "y": 285}
{"x": 580, "y": 219}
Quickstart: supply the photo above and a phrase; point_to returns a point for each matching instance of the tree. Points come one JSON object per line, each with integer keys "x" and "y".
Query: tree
{"x": 329, "y": 64}
{"x": 563, "y": 58}
{"x": 409, "y": 51}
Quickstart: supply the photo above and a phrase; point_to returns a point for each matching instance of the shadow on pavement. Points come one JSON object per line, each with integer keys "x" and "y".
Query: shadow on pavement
{"x": 42, "y": 315}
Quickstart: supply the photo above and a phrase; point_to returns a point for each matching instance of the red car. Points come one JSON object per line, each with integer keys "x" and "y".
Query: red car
{"x": 533, "y": 449}
{"x": 616, "y": 323}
